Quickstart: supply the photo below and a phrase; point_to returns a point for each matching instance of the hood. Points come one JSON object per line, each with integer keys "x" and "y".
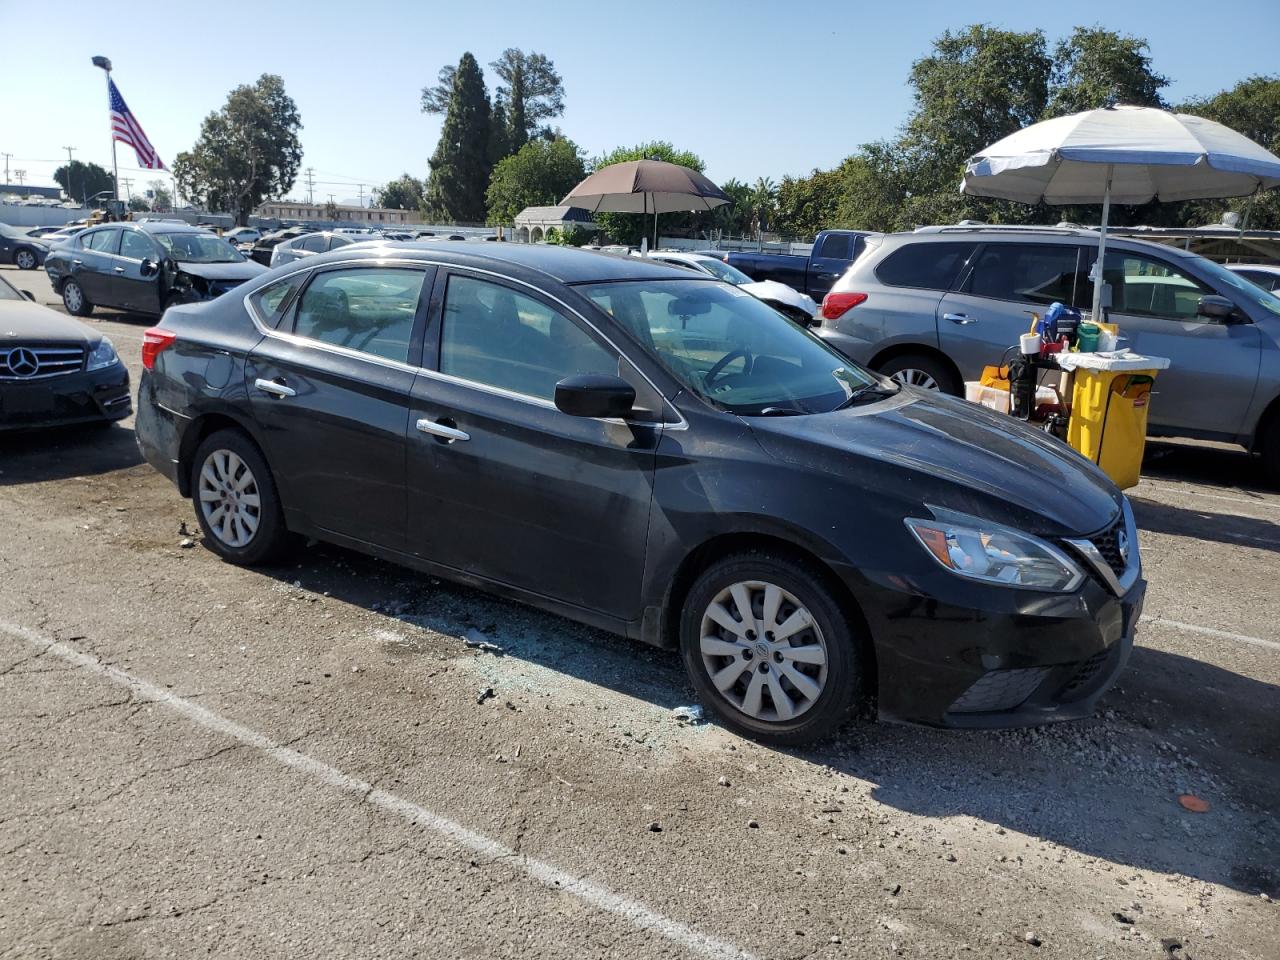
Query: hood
{"x": 24, "y": 320}
{"x": 952, "y": 454}
{"x": 781, "y": 293}
{"x": 245, "y": 270}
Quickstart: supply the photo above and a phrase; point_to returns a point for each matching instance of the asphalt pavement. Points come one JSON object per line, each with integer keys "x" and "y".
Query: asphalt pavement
{"x": 317, "y": 759}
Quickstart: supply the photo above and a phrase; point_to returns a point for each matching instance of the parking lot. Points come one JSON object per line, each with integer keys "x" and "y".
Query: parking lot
{"x": 339, "y": 757}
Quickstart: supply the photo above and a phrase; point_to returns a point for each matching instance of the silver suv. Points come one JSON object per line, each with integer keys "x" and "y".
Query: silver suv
{"x": 931, "y": 308}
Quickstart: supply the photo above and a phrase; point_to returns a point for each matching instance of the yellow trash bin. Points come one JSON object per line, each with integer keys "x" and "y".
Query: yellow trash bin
{"x": 1108, "y": 421}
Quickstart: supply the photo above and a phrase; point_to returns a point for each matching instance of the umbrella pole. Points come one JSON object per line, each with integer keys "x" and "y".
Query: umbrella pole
{"x": 1099, "y": 282}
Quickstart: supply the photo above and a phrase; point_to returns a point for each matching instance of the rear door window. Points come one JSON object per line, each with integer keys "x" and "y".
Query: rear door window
{"x": 369, "y": 309}
{"x": 271, "y": 302}
{"x": 836, "y": 246}
{"x": 312, "y": 244}
{"x": 927, "y": 266}
{"x": 102, "y": 241}
{"x": 1024, "y": 272}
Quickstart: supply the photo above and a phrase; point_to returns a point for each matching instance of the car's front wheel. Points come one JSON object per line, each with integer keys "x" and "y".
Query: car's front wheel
{"x": 26, "y": 259}
{"x": 236, "y": 501}
{"x": 74, "y": 300}
{"x": 770, "y": 650}
{"x": 924, "y": 371}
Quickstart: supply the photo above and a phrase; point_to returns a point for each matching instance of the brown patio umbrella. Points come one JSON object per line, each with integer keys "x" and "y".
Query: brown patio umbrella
{"x": 646, "y": 186}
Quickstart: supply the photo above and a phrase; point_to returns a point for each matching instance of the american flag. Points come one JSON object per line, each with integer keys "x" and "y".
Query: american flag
{"x": 126, "y": 129}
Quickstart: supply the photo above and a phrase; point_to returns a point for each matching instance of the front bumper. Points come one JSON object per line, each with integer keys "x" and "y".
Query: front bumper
{"x": 102, "y": 395}
{"x": 1006, "y": 658}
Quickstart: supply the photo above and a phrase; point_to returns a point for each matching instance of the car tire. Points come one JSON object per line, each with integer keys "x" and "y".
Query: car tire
{"x": 24, "y": 258}
{"x": 753, "y": 683}
{"x": 1269, "y": 448}
{"x": 923, "y": 371}
{"x": 235, "y": 500}
{"x": 74, "y": 300}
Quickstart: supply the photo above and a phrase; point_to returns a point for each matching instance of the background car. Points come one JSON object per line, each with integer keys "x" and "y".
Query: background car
{"x": 239, "y": 235}
{"x": 55, "y": 370}
{"x": 265, "y": 244}
{"x": 933, "y": 307}
{"x": 788, "y": 302}
{"x": 61, "y": 235}
{"x": 21, "y": 249}
{"x": 312, "y": 243}
{"x": 144, "y": 267}
{"x": 659, "y": 454}
{"x": 1264, "y": 275}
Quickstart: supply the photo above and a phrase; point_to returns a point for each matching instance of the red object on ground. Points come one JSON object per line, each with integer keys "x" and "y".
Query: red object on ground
{"x": 1193, "y": 803}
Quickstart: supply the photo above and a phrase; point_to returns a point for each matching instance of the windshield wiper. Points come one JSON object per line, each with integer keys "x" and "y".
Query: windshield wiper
{"x": 872, "y": 391}
{"x": 781, "y": 412}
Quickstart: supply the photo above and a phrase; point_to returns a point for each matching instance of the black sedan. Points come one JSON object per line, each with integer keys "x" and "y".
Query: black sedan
{"x": 20, "y": 248}
{"x": 144, "y": 267}
{"x": 663, "y": 456}
{"x": 54, "y": 369}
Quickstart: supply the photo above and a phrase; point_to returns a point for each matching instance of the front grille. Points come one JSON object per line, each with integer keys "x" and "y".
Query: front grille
{"x": 999, "y": 690}
{"x": 21, "y": 361}
{"x": 1108, "y": 544}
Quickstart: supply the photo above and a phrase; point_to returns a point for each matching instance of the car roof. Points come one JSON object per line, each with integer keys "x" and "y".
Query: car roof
{"x": 566, "y": 264}
{"x": 1260, "y": 267}
{"x": 1078, "y": 236}
{"x": 166, "y": 227}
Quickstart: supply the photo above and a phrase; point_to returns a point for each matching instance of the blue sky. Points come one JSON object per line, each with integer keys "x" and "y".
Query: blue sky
{"x": 754, "y": 88}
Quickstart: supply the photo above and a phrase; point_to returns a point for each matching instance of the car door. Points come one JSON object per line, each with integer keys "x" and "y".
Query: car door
{"x": 330, "y": 391}
{"x": 1213, "y": 365}
{"x": 828, "y": 263}
{"x": 137, "y": 287}
{"x": 992, "y": 304}
{"x": 93, "y": 263}
{"x": 502, "y": 484}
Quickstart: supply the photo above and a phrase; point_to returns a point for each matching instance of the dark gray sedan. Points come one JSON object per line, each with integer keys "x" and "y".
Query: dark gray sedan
{"x": 20, "y": 248}
{"x": 144, "y": 267}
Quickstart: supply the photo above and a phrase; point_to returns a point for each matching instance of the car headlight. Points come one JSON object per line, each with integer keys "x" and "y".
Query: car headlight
{"x": 103, "y": 355}
{"x": 996, "y": 554}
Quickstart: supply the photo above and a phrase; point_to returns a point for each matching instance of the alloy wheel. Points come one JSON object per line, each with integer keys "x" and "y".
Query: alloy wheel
{"x": 916, "y": 378}
{"x": 229, "y": 498}
{"x": 25, "y": 260}
{"x": 73, "y": 297}
{"x": 763, "y": 651}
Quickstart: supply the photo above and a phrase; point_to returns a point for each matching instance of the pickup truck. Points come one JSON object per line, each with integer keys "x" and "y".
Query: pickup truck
{"x": 833, "y": 252}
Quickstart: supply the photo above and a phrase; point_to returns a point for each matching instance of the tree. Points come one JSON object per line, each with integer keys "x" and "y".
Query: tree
{"x": 1096, "y": 67}
{"x": 763, "y": 195}
{"x": 460, "y": 166}
{"x": 631, "y": 227}
{"x": 139, "y": 204}
{"x": 532, "y": 91}
{"x": 733, "y": 217}
{"x": 539, "y": 174}
{"x": 80, "y": 181}
{"x": 805, "y": 205}
{"x": 1251, "y": 107}
{"x": 161, "y": 198}
{"x": 247, "y": 152}
{"x": 403, "y": 193}
{"x": 330, "y": 210}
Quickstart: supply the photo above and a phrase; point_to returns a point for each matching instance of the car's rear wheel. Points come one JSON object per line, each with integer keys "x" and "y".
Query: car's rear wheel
{"x": 74, "y": 300}
{"x": 923, "y": 371}
{"x": 770, "y": 650}
{"x": 26, "y": 259}
{"x": 236, "y": 501}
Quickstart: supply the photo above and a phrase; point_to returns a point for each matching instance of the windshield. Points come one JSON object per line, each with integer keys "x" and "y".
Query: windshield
{"x": 729, "y": 348}
{"x": 10, "y": 232}
{"x": 7, "y": 292}
{"x": 722, "y": 271}
{"x": 1238, "y": 285}
{"x": 198, "y": 248}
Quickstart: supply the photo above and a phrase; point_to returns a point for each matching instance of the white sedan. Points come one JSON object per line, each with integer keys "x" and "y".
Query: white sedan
{"x": 1264, "y": 275}
{"x": 789, "y": 302}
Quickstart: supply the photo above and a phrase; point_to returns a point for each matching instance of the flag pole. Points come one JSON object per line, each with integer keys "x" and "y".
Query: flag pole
{"x": 104, "y": 64}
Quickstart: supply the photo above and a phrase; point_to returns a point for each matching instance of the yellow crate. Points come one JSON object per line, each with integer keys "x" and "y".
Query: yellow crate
{"x": 1108, "y": 421}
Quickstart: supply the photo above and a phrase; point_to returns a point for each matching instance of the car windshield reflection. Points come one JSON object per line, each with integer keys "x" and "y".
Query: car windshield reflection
{"x": 198, "y": 248}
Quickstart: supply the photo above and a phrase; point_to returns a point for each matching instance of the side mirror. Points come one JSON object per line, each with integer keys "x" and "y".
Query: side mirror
{"x": 29, "y": 295}
{"x": 148, "y": 267}
{"x": 1216, "y": 308}
{"x": 595, "y": 395}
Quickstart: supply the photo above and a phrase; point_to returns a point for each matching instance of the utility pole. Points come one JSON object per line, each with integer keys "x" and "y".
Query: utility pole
{"x": 127, "y": 184}
{"x": 70, "y": 195}
{"x": 361, "y": 195}
{"x": 6, "y": 166}
{"x": 311, "y": 185}
{"x": 20, "y": 176}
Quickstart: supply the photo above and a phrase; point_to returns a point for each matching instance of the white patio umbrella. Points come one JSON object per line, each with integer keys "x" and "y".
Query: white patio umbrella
{"x": 1128, "y": 155}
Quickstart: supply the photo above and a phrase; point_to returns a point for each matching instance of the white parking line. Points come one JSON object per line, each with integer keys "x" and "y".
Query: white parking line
{"x": 1210, "y": 632}
{"x": 552, "y": 877}
{"x": 1273, "y": 504}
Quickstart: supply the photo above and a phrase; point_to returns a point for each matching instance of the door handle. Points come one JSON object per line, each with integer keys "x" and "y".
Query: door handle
{"x": 444, "y": 431}
{"x": 119, "y": 269}
{"x": 960, "y": 318}
{"x": 78, "y": 263}
{"x": 274, "y": 388}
